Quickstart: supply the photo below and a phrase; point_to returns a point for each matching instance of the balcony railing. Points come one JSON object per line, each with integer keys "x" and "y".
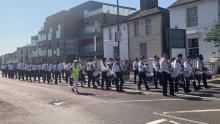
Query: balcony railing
{"x": 42, "y": 38}
{"x": 89, "y": 30}
{"x": 58, "y": 34}
{"x": 49, "y": 35}
{"x": 35, "y": 43}
{"x": 42, "y": 52}
{"x": 35, "y": 54}
{"x": 49, "y": 52}
{"x": 90, "y": 48}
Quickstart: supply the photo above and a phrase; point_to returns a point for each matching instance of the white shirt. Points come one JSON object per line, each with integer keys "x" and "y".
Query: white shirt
{"x": 61, "y": 66}
{"x": 200, "y": 65}
{"x": 45, "y": 66}
{"x": 153, "y": 63}
{"x": 172, "y": 64}
{"x": 50, "y": 67}
{"x": 116, "y": 68}
{"x": 157, "y": 67}
{"x": 142, "y": 67}
{"x": 27, "y": 67}
{"x": 91, "y": 66}
{"x": 21, "y": 66}
{"x": 178, "y": 66}
{"x": 104, "y": 67}
{"x": 32, "y": 67}
{"x": 188, "y": 66}
{"x": 56, "y": 68}
{"x": 164, "y": 66}
{"x": 3, "y": 67}
{"x": 135, "y": 65}
{"x": 10, "y": 67}
{"x": 67, "y": 67}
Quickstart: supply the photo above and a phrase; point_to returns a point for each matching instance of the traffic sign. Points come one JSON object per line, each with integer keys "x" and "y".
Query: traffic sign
{"x": 118, "y": 36}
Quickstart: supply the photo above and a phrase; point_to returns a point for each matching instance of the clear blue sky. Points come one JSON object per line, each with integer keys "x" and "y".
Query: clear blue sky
{"x": 21, "y": 19}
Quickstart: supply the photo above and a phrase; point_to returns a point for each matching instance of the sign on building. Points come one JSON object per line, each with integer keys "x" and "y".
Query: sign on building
{"x": 118, "y": 36}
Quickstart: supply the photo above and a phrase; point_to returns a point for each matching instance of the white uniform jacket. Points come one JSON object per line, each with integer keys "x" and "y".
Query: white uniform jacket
{"x": 142, "y": 67}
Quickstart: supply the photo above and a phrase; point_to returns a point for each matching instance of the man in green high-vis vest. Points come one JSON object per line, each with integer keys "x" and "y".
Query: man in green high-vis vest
{"x": 74, "y": 73}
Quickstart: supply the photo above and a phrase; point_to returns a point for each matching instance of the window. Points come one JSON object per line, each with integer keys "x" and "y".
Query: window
{"x": 148, "y": 26}
{"x": 115, "y": 52}
{"x": 136, "y": 29}
{"x": 21, "y": 52}
{"x": 58, "y": 27}
{"x": 30, "y": 51}
{"x": 111, "y": 34}
{"x": 50, "y": 46}
{"x": 192, "y": 17}
{"x": 50, "y": 30}
{"x": 58, "y": 45}
{"x": 143, "y": 48}
{"x": 193, "y": 47}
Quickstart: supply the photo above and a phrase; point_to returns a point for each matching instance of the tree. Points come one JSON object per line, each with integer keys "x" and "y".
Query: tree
{"x": 214, "y": 34}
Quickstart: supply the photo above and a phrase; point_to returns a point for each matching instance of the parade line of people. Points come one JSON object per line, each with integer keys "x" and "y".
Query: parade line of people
{"x": 112, "y": 73}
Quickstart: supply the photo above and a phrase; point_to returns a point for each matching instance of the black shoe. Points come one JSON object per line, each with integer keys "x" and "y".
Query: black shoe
{"x": 56, "y": 84}
{"x": 77, "y": 92}
{"x": 94, "y": 87}
{"x": 139, "y": 89}
{"x": 156, "y": 88}
{"x": 177, "y": 92}
{"x": 117, "y": 91}
{"x": 82, "y": 86}
{"x": 73, "y": 90}
{"x": 207, "y": 87}
{"x": 107, "y": 89}
{"x": 172, "y": 95}
{"x": 189, "y": 91}
{"x": 122, "y": 91}
{"x": 135, "y": 83}
{"x": 102, "y": 88}
{"x": 166, "y": 95}
{"x": 60, "y": 82}
{"x": 71, "y": 84}
{"x": 148, "y": 88}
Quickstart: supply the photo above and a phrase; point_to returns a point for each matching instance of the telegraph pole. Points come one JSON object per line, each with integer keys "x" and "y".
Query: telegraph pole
{"x": 118, "y": 29}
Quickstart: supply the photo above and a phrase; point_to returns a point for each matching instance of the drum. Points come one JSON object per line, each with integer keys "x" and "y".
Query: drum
{"x": 187, "y": 75}
{"x": 208, "y": 75}
{"x": 149, "y": 76}
{"x": 126, "y": 76}
{"x": 110, "y": 75}
{"x": 96, "y": 75}
{"x": 198, "y": 75}
{"x": 175, "y": 75}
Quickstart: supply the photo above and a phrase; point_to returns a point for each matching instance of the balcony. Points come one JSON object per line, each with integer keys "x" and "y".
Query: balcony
{"x": 89, "y": 32}
{"x": 35, "y": 54}
{"x": 42, "y": 52}
{"x": 49, "y": 35}
{"x": 50, "y": 53}
{"x": 58, "y": 34}
{"x": 41, "y": 37}
{"x": 89, "y": 50}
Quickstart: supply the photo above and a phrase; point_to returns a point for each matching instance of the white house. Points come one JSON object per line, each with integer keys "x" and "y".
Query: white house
{"x": 195, "y": 16}
{"x": 110, "y": 45}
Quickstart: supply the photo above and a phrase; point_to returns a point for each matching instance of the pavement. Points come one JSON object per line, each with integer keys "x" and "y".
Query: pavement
{"x": 24, "y": 102}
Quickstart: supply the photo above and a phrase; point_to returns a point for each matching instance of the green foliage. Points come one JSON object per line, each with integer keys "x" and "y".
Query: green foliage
{"x": 214, "y": 35}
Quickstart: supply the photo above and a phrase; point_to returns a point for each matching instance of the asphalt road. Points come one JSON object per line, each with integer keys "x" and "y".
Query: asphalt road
{"x": 33, "y": 103}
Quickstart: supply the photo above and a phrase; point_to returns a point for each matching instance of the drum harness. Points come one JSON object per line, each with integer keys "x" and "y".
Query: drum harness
{"x": 181, "y": 76}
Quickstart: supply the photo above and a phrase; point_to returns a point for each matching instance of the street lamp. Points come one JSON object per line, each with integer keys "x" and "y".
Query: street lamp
{"x": 118, "y": 28}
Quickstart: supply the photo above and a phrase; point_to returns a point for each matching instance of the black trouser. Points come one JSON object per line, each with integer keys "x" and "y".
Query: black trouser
{"x": 3, "y": 72}
{"x": 159, "y": 76}
{"x": 36, "y": 74}
{"x": 46, "y": 75}
{"x": 60, "y": 76}
{"x": 42, "y": 74}
{"x": 6, "y": 73}
{"x": 135, "y": 75}
{"x": 52, "y": 74}
{"x": 178, "y": 83}
{"x": 142, "y": 76}
{"x": 165, "y": 78}
{"x": 119, "y": 75}
{"x": 21, "y": 74}
{"x": 28, "y": 74}
{"x": 83, "y": 80}
{"x": 15, "y": 73}
{"x": 67, "y": 76}
{"x": 10, "y": 74}
{"x": 62, "y": 71}
{"x": 204, "y": 80}
{"x": 56, "y": 76}
{"x": 104, "y": 78}
{"x": 155, "y": 81}
{"x": 90, "y": 77}
{"x": 187, "y": 85}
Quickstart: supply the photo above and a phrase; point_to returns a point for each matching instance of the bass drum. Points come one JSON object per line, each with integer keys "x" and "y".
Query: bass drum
{"x": 149, "y": 76}
{"x": 198, "y": 75}
{"x": 96, "y": 75}
{"x": 187, "y": 75}
{"x": 208, "y": 75}
{"x": 175, "y": 75}
{"x": 110, "y": 75}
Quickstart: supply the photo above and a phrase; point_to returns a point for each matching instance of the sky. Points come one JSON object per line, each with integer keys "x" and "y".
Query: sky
{"x": 21, "y": 19}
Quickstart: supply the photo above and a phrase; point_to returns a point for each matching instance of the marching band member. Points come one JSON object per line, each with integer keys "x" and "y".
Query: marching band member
{"x": 50, "y": 69}
{"x": 3, "y": 70}
{"x": 36, "y": 73}
{"x": 67, "y": 69}
{"x": 104, "y": 69}
{"x": 6, "y": 71}
{"x": 153, "y": 65}
{"x": 188, "y": 66}
{"x": 172, "y": 62}
{"x": 201, "y": 67}
{"x": 74, "y": 71}
{"x": 62, "y": 69}
{"x": 158, "y": 71}
{"x": 10, "y": 71}
{"x": 110, "y": 65}
{"x": 179, "y": 67}
{"x": 95, "y": 68}
{"x": 82, "y": 71}
{"x": 28, "y": 71}
{"x": 142, "y": 71}
{"x": 40, "y": 68}
{"x": 16, "y": 70}
{"x": 117, "y": 68}
{"x": 135, "y": 68}
{"x": 52, "y": 72}
{"x": 57, "y": 71}
{"x": 90, "y": 69}
{"x": 166, "y": 75}
{"x": 32, "y": 71}
{"x": 21, "y": 67}
{"x": 45, "y": 71}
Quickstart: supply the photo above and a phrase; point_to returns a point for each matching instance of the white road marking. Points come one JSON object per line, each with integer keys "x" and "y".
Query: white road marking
{"x": 213, "y": 98}
{"x": 60, "y": 103}
{"x": 157, "y": 121}
{"x": 173, "y": 122}
{"x": 183, "y": 119}
{"x": 194, "y": 111}
{"x": 148, "y": 100}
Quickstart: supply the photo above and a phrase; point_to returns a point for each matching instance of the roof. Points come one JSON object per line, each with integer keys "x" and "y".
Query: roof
{"x": 28, "y": 45}
{"x": 182, "y": 2}
{"x": 121, "y": 19}
{"x": 149, "y": 12}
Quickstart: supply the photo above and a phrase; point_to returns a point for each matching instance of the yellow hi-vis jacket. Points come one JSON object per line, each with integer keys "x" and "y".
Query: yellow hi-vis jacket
{"x": 75, "y": 71}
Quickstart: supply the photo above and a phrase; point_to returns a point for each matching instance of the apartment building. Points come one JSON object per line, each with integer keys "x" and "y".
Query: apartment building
{"x": 24, "y": 53}
{"x": 11, "y": 58}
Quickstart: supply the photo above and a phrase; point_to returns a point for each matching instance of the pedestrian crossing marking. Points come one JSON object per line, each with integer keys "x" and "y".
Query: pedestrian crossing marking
{"x": 194, "y": 111}
{"x": 157, "y": 121}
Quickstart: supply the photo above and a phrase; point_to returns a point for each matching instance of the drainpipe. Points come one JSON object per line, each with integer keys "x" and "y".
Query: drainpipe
{"x": 128, "y": 49}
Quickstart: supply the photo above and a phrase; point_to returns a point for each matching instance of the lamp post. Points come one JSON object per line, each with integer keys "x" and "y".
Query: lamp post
{"x": 118, "y": 28}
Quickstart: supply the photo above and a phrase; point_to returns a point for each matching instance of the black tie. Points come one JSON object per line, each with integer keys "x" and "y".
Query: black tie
{"x": 158, "y": 65}
{"x": 104, "y": 65}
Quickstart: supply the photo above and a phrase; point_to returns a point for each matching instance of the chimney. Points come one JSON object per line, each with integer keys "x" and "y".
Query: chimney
{"x": 147, "y": 4}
